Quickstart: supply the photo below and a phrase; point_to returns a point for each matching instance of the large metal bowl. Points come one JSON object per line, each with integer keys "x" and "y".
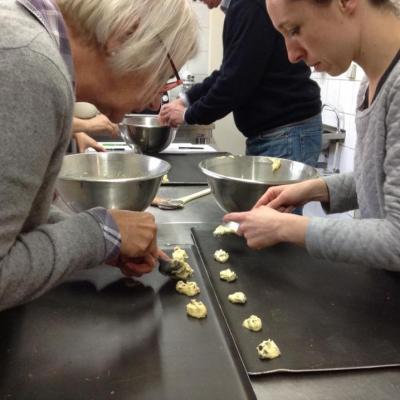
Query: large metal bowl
{"x": 237, "y": 182}
{"x": 145, "y": 132}
{"x": 125, "y": 181}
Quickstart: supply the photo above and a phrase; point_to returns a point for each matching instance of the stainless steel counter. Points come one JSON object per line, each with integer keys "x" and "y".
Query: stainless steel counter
{"x": 378, "y": 384}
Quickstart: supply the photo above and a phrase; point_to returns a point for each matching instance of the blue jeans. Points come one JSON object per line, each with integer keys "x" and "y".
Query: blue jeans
{"x": 298, "y": 142}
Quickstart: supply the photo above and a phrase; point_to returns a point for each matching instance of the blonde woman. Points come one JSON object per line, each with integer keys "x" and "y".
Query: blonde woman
{"x": 329, "y": 35}
{"x": 117, "y": 55}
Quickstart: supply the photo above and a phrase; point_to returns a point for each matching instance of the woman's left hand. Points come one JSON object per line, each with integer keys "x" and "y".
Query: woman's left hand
{"x": 264, "y": 227}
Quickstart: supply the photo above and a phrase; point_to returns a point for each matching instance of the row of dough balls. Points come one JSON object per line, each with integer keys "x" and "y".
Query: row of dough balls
{"x": 267, "y": 349}
{"x": 195, "y": 308}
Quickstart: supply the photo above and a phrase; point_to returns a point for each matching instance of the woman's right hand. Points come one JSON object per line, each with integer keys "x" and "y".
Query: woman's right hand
{"x": 286, "y": 198}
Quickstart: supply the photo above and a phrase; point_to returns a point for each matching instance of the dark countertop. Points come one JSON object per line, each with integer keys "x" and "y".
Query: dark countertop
{"x": 374, "y": 384}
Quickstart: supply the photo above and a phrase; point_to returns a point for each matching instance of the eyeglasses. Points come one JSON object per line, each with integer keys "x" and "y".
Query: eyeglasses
{"x": 171, "y": 85}
{"x": 177, "y": 82}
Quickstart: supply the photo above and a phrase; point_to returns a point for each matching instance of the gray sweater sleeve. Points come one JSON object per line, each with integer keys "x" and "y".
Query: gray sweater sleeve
{"x": 35, "y": 118}
{"x": 372, "y": 241}
{"x": 342, "y": 193}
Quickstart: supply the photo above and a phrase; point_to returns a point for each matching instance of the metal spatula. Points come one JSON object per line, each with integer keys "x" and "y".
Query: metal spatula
{"x": 173, "y": 204}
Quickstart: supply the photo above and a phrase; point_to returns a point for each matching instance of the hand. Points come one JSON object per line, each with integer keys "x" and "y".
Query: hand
{"x": 263, "y": 227}
{"x": 172, "y": 114}
{"x": 136, "y": 266}
{"x": 286, "y": 198}
{"x": 100, "y": 123}
{"x": 84, "y": 141}
{"x": 138, "y": 233}
{"x": 139, "y": 265}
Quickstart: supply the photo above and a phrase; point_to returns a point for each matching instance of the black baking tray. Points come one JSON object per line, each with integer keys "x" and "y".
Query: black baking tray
{"x": 185, "y": 167}
{"x": 118, "y": 342}
{"x": 322, "y": 315}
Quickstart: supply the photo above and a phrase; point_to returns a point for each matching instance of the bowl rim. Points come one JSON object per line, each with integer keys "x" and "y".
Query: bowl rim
{"x": 216, "y": 175}
{"x": 166, "y": 164}
{"x": 142, "y": 117}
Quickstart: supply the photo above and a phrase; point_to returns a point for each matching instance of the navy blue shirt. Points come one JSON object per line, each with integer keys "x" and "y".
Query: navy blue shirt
{"x": 256, "y": 80}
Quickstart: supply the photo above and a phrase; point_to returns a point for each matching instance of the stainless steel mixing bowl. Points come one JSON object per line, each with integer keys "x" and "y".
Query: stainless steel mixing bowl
{"x": 145, "y": 132}
{"x": 237, "y": 182}
{"x": 126, "y": 180}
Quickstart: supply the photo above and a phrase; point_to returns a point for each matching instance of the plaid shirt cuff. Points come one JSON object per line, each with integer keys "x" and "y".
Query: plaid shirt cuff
{"x": 111, "y": 234}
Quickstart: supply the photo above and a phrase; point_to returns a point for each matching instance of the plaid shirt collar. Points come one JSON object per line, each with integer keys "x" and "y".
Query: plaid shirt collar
{"x": 225, "y": 5}
{"x": 50, "y": 17}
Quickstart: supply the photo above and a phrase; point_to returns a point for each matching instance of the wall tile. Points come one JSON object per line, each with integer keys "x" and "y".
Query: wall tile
{"x": 346, "y": 159}
{"x": 351, "y": 133}
{"x": 202, "y": 13}
{"x": 346, "y": 97}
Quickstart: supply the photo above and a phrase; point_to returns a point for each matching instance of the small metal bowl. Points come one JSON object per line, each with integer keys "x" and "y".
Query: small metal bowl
{"x": 237, "y": 182}
{"x": 145, "y": 132}
{"x": 125, "y": 181}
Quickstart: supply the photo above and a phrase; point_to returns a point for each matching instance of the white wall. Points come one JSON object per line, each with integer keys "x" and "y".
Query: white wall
{"x": 341, "y": 92}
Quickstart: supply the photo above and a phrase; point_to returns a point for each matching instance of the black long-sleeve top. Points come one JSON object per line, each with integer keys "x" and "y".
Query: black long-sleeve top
{"x": 256, "y": 80}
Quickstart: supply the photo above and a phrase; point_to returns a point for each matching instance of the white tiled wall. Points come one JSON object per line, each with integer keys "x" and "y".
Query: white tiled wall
{"x": 341, "y": 93}
{"x": 198, "y": 66}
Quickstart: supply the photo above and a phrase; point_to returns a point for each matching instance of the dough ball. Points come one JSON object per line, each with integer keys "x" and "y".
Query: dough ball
{"x": 187, "y": 288}
{"x": 221, "y": 230}
{"x": 237, "y": 298}
{"x": 276, "y": 163}
{"x": 253, "y": 323}
{"x": 181, "y": 270}
{"x": 196, "y": 309}
{"x": 268, "y": 350}
{"x": 179, "y": 254}
{"x": 164, "y": 179}
{"x": 228, "y": 275}
{"x": 221, "y": 256}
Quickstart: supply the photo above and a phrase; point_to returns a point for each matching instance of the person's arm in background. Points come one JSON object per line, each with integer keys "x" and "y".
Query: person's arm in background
{"x": 84, "y": 142}
{"x": 98, "y": 124}
{"x": 82, "y": 128}
{"x": 250, "y": 39}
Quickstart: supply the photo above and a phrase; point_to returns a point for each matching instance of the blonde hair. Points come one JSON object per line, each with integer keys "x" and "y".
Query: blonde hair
{"x": 148, "y": 29}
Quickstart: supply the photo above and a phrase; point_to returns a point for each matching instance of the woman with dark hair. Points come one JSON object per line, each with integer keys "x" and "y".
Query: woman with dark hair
{"x": 329, "y": 35}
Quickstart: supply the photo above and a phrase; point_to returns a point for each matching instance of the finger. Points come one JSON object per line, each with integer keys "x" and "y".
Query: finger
{"x": 97, "y": 146}
{"x": 235, "y": 217}
{"x": 131, "y": 268}
{"x": 161, "y": 254}
{"x": 276, "y": 204}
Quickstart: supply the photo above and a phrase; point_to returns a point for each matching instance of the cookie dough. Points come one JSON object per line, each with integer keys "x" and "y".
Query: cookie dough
{"x": 268, "y": 350}
{"x": 196, "y": 309}
{"x": 253, "y": 323}
{"x": 181, "y": 269}
{"x": 228, "y": 275}
{"x": 221, "y": 230}
{"x": 276, "y": 164}
{"x": 187, "y": 288}
{"x": 179, "y": 254}
{"x": 221, "y": 256}
{"x": 237, "y": 298}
